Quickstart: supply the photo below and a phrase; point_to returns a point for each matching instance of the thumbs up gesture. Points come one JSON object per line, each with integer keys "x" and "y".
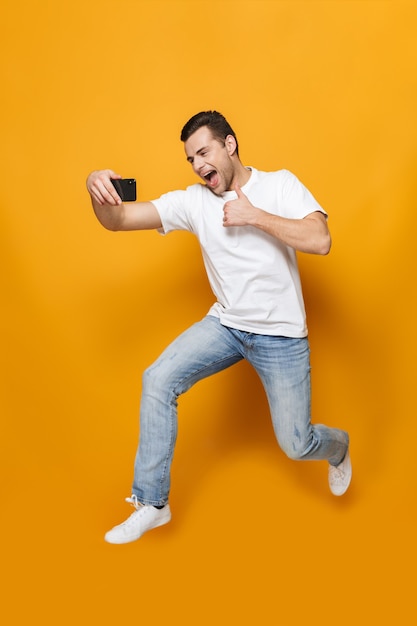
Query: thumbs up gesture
{"x": 239, "y": 212}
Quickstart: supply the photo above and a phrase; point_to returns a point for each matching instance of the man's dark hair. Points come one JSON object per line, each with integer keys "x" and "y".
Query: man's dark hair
{"x": 215, "y": 121}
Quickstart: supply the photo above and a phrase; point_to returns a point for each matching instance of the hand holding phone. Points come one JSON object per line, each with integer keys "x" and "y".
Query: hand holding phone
{"x": 126, "y": 188}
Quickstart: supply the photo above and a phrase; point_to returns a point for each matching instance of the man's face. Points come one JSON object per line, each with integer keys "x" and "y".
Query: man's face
{"x": 211, "y": 159}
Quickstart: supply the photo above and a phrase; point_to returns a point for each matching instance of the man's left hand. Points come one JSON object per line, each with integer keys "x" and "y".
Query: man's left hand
{"x": 239, "y": 212}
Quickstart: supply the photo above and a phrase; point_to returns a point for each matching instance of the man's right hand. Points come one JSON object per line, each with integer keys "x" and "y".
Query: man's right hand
{"x": 101, "y": 188}
{"x": 110, "y": 210}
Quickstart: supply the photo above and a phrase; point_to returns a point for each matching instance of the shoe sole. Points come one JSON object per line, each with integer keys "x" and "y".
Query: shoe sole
{"x": 346, "y": 487}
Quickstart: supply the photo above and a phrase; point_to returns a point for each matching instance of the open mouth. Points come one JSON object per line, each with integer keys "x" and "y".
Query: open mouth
{"x": 211, "y": 178}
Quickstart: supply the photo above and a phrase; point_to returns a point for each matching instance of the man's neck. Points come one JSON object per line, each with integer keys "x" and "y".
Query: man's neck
{"x": 242, "y": 175}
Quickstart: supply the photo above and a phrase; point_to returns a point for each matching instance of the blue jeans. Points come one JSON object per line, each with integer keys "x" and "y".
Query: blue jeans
{"x": 283, "y": 365}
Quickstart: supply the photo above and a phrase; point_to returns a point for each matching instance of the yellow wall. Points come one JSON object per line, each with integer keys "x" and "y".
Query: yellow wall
{"x": 326, "y": 89}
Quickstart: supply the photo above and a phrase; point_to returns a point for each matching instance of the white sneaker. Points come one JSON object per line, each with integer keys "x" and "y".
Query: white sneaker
{"x": 144, "y": 518}
{"x": 340, "y": 476}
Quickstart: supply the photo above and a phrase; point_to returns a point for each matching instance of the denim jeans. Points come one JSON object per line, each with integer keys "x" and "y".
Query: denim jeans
{"x": 207, "y": 347}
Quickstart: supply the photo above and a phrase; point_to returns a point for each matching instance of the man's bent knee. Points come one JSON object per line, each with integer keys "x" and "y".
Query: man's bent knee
{"x": 298, "y": 449}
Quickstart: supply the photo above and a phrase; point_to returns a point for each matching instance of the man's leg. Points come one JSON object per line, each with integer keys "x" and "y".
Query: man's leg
{"x": 202, "y": 350}
{"x": 283, "y": 365}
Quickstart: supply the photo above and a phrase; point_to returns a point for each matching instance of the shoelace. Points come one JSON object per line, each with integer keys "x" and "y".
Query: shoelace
{"x": 138, "y": 511}
{"x": 133, "y": 500}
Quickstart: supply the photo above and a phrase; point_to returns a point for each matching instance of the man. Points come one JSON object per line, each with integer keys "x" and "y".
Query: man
{"x": 249, "y": 225}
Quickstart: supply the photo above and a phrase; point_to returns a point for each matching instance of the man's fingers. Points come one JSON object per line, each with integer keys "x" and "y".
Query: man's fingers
{"x": 110, "y": 194}
{"x": 106, "y": 192}
{"x": 239, "y": 192}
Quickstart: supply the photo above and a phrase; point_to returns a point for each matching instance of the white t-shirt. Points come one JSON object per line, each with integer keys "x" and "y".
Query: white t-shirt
{"x": 254, "y": 276}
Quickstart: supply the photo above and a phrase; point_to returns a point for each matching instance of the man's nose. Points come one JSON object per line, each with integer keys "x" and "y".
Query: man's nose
{"x": 198, "y": 163}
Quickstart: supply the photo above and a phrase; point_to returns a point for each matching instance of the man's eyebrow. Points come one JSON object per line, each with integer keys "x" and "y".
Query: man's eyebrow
{"x": 190, "y": 158}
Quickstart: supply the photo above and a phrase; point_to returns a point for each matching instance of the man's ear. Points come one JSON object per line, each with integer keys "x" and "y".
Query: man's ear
{"x": 230, "y": 143}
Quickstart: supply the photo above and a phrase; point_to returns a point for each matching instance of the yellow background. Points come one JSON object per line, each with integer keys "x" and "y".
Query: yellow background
{"x": 325, "y": 89}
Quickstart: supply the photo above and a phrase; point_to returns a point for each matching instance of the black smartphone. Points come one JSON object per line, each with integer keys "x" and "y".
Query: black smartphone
{"x": 126, "y": 188}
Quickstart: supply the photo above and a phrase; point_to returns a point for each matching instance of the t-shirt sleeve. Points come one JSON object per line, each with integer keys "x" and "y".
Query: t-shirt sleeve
{"x": 297, "y": 201}
{"x": 173, "y": 211}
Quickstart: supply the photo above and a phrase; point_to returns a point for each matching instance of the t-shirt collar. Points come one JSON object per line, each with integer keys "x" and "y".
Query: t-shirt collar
{"x": 231, "y": 195}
